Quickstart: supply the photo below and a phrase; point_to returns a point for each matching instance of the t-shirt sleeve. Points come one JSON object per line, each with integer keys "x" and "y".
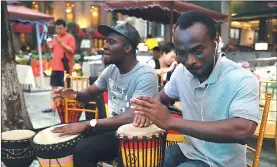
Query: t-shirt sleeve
{"x": 246, "y": 100}
{"x": 170, "y": 88}
{"x": 147, "y": 85}
{"x": 72, "y": 43}
{"x": 151, "y": 63}
{"x": 101, "y": 81}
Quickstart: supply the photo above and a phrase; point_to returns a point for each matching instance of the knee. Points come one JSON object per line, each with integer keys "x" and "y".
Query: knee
{"x": 78, "y": 152}
{"x": 171, "y": 153}
{"x": 84, "y": 151}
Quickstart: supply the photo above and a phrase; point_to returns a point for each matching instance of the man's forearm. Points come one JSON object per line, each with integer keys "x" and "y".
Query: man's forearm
{"x": 234, "y": 130}
{"x": 84, "y": 96}
{"x": 67, "y": 48}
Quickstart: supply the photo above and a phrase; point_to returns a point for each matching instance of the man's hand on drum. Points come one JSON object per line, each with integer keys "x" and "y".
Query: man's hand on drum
{"x": 153, "y": 110}
{"x": 66, "y": 92}
{"x": 71, "y": 129}
{"x": 141, "y": 121}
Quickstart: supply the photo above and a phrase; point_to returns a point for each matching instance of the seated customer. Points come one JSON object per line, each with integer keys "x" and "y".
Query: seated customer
{"x": 124, "y": 78}
{"x": 156, "y": 52}
{"x": 166, "y": 63}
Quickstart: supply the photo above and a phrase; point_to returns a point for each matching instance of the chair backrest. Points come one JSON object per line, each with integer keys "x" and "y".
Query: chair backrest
{"x": 258, "y": 149}
{"x": 76, "y": 82}
{"x": 267, "y": 87}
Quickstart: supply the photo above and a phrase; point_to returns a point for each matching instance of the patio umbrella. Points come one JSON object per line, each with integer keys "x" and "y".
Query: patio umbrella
{"x": 24, "y": 15}
{"x": 166, "y": 12}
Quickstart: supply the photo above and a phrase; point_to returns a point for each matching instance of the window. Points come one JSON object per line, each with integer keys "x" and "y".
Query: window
{"x": 94, "y": 12}
{"x": 70, "y": 11}
{"x": 256, "y": 36}
{"x": 35, "y": 5}
{"x": 234, "y": 33}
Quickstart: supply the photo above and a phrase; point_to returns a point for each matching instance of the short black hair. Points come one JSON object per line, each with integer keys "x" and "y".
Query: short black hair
{"x": 168, "y": 48}
{"x": 156, "y": 48}
{"x": 60, "y": 22}
{"x": 187, "y": 19}
{"x": 149, "y": 36}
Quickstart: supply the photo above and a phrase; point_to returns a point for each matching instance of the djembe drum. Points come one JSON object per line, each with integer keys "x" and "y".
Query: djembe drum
{"x": 141, "y": 147}
{"x": 53, "y": 150}
{"x": 174, "y": 137}
{"x": 16, "y": 149}
{"x": 73, "y": 116}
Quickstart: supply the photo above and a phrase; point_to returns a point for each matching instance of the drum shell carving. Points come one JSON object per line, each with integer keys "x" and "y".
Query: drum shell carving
{"x": 15, "y": 153}
{"x": 142, "y": 151}
{"x": 58, "y": 154}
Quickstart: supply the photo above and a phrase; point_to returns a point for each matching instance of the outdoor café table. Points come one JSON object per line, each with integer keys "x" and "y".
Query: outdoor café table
{"x": 25, "y": 75}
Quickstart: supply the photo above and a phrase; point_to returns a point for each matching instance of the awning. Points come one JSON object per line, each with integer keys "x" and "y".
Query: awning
{"x": 24, "y": 28}
{"x": 158, "y": 11}
{"x": 22, "y": 13}
{"x": 166, "y": 12}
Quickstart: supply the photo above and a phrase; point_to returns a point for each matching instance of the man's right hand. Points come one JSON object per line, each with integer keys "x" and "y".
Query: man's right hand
{"x": 66, "y": 92}
{"x": 173, "y": 66}
{"x": 71, "y": 129}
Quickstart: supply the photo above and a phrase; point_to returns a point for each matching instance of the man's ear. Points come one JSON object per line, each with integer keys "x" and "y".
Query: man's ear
{"x": 128, "y": 48}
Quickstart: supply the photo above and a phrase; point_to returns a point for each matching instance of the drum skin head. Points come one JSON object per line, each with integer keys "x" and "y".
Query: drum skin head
{"x": 47, "y": 137}
{"x": 17, "y": 135}
{"x": 131, "y": 130}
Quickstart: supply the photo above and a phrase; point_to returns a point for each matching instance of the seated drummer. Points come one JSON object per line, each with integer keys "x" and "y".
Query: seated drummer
{"x": 219, "y": 100}
{"x": 124, "y": 79}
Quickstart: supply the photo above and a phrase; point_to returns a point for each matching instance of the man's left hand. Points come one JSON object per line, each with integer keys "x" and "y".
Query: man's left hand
{"x": 141, "y": 121}
{"x": 153, "y": 110}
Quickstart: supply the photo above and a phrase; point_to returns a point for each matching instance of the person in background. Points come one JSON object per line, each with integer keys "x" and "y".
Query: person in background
{"x": 156, "y": 52}
{"x": 166, "y": 62}
{"x": 63, "y": 46}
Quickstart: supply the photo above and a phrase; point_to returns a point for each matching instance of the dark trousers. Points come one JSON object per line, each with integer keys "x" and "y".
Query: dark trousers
{"x": 102, "y": 145}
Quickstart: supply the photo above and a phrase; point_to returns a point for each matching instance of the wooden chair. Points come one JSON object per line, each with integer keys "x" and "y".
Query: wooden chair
{"x": 271, "y": 129}
{"x": 261, "y": 128}
{"x": 77, "y": 83}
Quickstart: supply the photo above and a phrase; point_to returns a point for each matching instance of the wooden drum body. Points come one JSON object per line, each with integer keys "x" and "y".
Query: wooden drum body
{"x": 141, "y": 147}
{"x": 73, "y": 116}
{"x": 54, "y": 151}
{"x": 16, "y": 149}
{"x": 174, "y": 137}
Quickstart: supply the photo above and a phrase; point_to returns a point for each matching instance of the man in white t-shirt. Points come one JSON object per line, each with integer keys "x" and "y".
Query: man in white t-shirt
{"x": 219, "y": 100}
